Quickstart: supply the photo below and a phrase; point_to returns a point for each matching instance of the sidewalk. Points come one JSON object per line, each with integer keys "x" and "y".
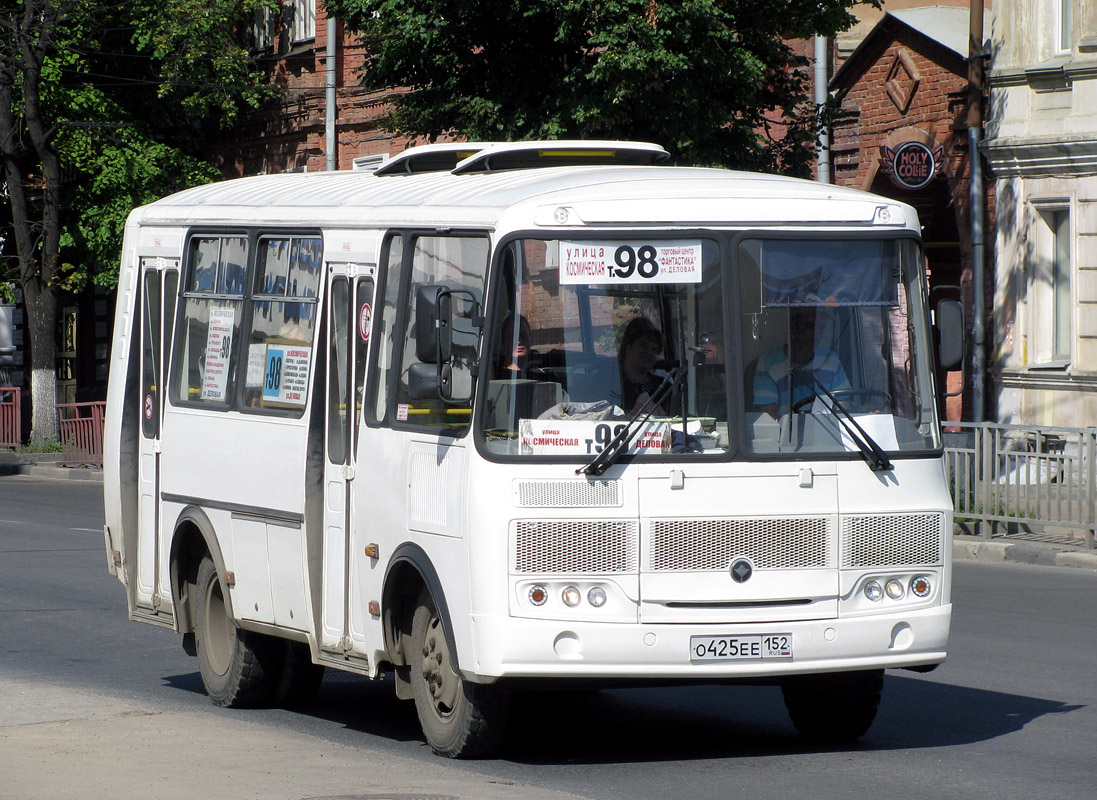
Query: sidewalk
{"x": 1017, "y": 549}
{"x": 59, "y": 743}
{"x": 46, "y": 465}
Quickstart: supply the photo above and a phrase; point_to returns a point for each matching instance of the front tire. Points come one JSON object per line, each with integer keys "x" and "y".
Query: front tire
{"x": 835, "y": 707}
{"x": 459, "y": 719}
{"x": 238, "y": 667}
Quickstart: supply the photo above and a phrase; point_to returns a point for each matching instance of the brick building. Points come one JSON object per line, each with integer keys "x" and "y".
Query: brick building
{"x": 904, "y": 106}
{"x": 289, "y": 134}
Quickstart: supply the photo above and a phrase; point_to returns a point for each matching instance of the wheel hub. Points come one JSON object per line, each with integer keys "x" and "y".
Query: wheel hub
{"x": 438, "y": 674}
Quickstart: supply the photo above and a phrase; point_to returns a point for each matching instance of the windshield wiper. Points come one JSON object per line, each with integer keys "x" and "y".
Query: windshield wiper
{"x": 871, "y": 452}
{"x": 619, "y": 444}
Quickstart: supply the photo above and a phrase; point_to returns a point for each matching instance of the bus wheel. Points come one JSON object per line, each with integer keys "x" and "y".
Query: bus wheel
{"x": 833, "y": 708}
{"x": 300, "y": 679}
{"x": 459, "y": 719}
{"x": 238, "y": 667}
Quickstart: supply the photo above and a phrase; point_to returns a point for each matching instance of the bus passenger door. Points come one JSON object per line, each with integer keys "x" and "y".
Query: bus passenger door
{"x": 349, "y": 318}
{"x": 158, "y": 292}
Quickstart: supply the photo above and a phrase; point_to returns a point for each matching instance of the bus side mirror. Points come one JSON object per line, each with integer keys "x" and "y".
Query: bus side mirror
{"x": 432, "y": 377}
{"x": 433, "y": 324}
{"x": 949, "y": 329}
{"x": 430, "y": 381}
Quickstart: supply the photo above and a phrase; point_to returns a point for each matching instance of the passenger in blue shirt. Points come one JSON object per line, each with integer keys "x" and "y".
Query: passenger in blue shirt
{"x": 787, "y": 375}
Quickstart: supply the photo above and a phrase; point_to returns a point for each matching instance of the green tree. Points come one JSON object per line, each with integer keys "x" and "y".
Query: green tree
{"x": 102, "y": 106}
{"x": 714, "y": 81}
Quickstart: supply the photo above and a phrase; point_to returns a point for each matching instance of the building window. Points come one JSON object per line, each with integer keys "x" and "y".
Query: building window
{"x": 1064, "y": 19}
{"x": 262, "y": 27}
{"x": 1053, "y": 310}
{"x": 304, "y": 20}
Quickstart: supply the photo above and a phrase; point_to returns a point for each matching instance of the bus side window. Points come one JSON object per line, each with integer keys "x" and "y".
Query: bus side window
{"x": 283, "y": 319}
{"x": 385, "y": 345}
{"x": 457, "y": 262}
{"x": 204, "y": 369}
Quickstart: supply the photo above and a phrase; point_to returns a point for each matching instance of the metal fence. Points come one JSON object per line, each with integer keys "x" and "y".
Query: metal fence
{"x": 11, "y": 419}
{"x": 81, "y": 427}
{"x": 1024, "y": 479}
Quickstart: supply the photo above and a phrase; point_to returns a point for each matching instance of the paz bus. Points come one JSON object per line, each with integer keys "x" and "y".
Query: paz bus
{"x": 389, "y": 423}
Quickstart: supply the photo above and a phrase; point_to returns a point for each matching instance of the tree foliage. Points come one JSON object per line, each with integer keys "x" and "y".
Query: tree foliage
{"x": 102, "y": 107}
{"x": 713, "y": 80}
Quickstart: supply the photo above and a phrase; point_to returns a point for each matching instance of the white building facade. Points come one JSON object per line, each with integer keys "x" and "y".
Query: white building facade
{"x": 1041, "y": 149}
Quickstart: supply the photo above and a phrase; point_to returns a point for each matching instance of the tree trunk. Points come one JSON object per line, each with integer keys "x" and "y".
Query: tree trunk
{"x": 41, "y": 309}
{"x": 36, "y": 219}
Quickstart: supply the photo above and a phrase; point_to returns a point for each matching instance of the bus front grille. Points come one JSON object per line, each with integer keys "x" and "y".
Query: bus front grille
{"x": 885, "y": 540}
{"x": 683, "y": 545}
{"x": 567, "y": 494}
{"x": 576, "y": 546}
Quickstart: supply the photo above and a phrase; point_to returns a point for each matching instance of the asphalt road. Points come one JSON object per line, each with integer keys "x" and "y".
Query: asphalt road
{"x": 92, "y": 705}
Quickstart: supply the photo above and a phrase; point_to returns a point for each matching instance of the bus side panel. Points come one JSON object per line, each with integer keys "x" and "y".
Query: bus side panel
{"x": 414, "y": 489}
{"x": 121, "y": 424}
{"x": 254, "y": 466}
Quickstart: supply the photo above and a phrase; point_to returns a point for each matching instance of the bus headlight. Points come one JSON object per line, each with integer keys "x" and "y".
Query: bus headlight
{"x": 596, "y": 596}
{"x": 895, "y": 589}
{"x": 571, "y": 596}
{"x": 874, "y": 591}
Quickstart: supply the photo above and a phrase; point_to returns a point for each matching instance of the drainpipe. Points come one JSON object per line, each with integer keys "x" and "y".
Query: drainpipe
{"x": 331, "y": 160}
{"x": 975, "y": 131}
{"x": 821, "y": 81}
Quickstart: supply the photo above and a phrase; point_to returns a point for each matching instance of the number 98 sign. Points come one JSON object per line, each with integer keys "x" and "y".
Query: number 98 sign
{"x": 630, "y": 262}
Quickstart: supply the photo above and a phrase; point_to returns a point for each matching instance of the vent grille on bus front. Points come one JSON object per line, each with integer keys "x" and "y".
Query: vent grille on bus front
{"x": 710, "y": 544}
{"x": 891, "y": 540}
{"x": 567, "y": 494}
{"x": 576, "y": 546}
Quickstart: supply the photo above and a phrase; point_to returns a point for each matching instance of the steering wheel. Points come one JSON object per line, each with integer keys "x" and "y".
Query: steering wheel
{"x": 840, "y": 394}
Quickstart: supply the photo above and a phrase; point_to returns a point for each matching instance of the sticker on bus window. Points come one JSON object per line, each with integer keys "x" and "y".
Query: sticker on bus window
{"x": 257, "y": 365}
{"x": 286, "y": 378}
{"x": 215, "y": 378}
{"x": 630, "y": 262}
{"x": 542, "y": 437}
{"x": 365, "y": 319}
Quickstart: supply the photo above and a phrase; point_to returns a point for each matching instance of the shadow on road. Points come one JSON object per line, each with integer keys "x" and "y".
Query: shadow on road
{"x": 750, "y": 721}
{"x": 683, "y": 723}
{"x": 346, "y": 699}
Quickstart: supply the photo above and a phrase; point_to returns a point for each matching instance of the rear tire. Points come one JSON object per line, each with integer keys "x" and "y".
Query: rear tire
{"x": 459, "y": 719}
{"x": 238, "y": 667}
{"x": 833, "y": 708}
{"x": 299, "y": 679}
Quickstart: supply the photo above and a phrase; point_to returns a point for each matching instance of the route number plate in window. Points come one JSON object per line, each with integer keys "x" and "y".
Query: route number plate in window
{"x": 740, "y": 648}
{"x": 657, "y": 261}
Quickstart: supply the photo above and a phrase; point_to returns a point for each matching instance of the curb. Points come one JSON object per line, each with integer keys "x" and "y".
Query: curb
{"x": 52, "y": 472}
{"x": 981, "y": 550}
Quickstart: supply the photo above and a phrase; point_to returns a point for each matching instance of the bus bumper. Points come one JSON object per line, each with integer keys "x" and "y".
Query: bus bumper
{"x": 505, "y": 647}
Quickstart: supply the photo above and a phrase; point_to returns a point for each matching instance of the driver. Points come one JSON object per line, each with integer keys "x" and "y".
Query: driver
{"x": 785, "y": 376}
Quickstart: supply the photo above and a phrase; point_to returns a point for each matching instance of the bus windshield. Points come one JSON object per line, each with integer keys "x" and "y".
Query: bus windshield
{"x": 825, "y": 347}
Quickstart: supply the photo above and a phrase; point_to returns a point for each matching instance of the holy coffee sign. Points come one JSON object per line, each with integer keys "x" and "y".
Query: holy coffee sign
{"x": 911, "y": 165}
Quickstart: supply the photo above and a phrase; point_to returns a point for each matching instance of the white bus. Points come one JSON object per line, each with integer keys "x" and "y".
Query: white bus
{"x": 508, "y": 416}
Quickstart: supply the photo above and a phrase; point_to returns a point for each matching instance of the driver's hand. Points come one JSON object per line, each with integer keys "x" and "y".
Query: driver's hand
{"x": 643, "y": 405}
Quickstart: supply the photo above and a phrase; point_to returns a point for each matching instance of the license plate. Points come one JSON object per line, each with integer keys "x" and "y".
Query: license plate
{"x": 740, "y": 648}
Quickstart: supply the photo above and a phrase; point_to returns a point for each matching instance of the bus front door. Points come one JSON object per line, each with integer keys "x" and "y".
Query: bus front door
{"x": 159, "y": 286}
{"x": 350, "y": 303}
